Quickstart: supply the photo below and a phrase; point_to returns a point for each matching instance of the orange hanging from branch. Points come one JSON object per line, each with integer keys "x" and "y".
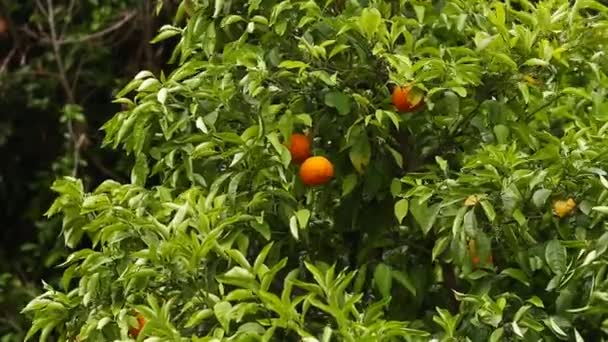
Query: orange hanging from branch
{"x": 299, "y": 146}
{"x": 316, "y": 171}
{"x": 407, "y": 98}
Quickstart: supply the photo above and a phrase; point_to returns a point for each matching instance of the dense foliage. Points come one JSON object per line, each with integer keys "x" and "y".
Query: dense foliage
{"x": 480, "y": 216}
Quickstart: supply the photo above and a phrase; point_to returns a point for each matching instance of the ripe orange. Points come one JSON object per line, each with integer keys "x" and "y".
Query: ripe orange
{"x": 141, "y": 321}
{"x": 407, "y": 99}
{"x": 299, "y": 146}
{"x": 563, "y": 208}
{"x": 316, "y": 171}
{"x": 473, "y": 252}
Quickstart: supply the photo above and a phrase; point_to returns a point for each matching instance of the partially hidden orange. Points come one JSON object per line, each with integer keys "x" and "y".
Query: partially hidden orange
{"x": 299, "y": 147}
{"x": 563, "y": 208}
{"x": 316, "y": 171}
{"x": 473, "y": 252}
{"x": 141, "y": 321}
{"x": 407, "y": 99}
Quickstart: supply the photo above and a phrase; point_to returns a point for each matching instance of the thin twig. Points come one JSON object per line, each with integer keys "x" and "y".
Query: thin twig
{"x": 41, "y": 9}
{"x": 68, "y": 14}
{"x": 12, "y": 323}
{"x": 57, "y": 51}
{"x": 97, "y": 162}
{"x": 63, "y": 79}
{"x": 77, "y": 73}
{"x": 7, "y": 59}
{"x": 454, "y": 130}
{"x": 549, "y": 103}
{"x": 100, "y": 34}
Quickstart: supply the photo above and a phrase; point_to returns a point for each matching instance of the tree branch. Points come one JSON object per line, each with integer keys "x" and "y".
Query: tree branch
{"x": 7, "y": 59}
{"x": 99, "y": 34}
{"x": 77, "y": 140}
{"x": 549, "y": 103}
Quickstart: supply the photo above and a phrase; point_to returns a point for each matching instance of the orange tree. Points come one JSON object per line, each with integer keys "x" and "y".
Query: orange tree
{"x": 473, "y": 212}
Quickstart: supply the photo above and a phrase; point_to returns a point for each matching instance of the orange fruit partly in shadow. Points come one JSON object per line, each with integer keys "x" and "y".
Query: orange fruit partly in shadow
{"x": 299, "y": 146}
{"x": 316, "y": 171}
{"x": 407, "y": 98}
{"x": 141, "y": 321}
{"x": 473, "y": 253}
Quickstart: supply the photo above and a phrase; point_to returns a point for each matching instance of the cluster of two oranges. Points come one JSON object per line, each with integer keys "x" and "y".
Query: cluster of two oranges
{"x": 314, "y": 170}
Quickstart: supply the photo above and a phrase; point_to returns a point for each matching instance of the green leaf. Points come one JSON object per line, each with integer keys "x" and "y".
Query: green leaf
{"x": 536, "y": 62}
{"x": 516, "y": 274}
{"x": 280, "y": 148}
{"x": 401, "y": 208}
{"x": 140, "y": 171}
{"x": 261, "y": 258}
{"x": 404, "y": 280}
{"x": 511, "y": 198}
{"x": 578, "y": 337}
{"x": 383, "y": 279}
{"x": 488, "y": 208}
{"x": 524, "y": 90}
{"x": 419, "y": 12}
{"x": 219, "y": 6}
{"x": 425, "y": 216}
{"x": 360, "y": 154}
{"x": 348, "y": 184}
{"x": 556, "y": 255}
{"x": 237, "y": 256}
{"x": 293, "y": 65}
{"x": 198, "y": 317}
{"x": 370, "y": 21}
{"x": 166, "y": 32}
{"x": 340, "y": 101}
{"x": 497, "y": 335}
{"x": 396, "y": 156}
{"x": 263, "y": 229}
{"x": 540, "y": 196}
{"x": 327, "y": 333}
{"x": 95, "y": 203}
{"x": 601, "y": 209}
{"x": 581, "y": 92}
{"x": 222, "y": 313}
{"x": 293, "y": 227}
{"x": 502, "y": 134}
{"x": 534, "y": 300}
{"x": 440, "y": 246}
{"x": 360, "y": 280}
{"x": 303, "y": 215}
{"x": 457, "y": 224}
{"x": 552, "y": 324}
{"x": 470, "y": 223}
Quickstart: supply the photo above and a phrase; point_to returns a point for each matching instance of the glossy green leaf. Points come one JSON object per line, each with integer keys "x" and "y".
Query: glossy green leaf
{"x": 383, "y": 279}
{"x": 401, "y": 208}
{"x": 340, "y": 101}
{"x": 556, "y": 256}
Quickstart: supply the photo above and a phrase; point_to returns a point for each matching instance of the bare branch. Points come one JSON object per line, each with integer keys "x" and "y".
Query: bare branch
{"x": 126, "y": 18}
{"x": 76, "y": 139}
{"x": 77, "y": 73}
{"x": 57, "y": 51}
{"x": 7, "y": 59}
{"x": 42, "y": 9}
{"x": 45, "y": 39}
{"x": 69, "y": 12}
